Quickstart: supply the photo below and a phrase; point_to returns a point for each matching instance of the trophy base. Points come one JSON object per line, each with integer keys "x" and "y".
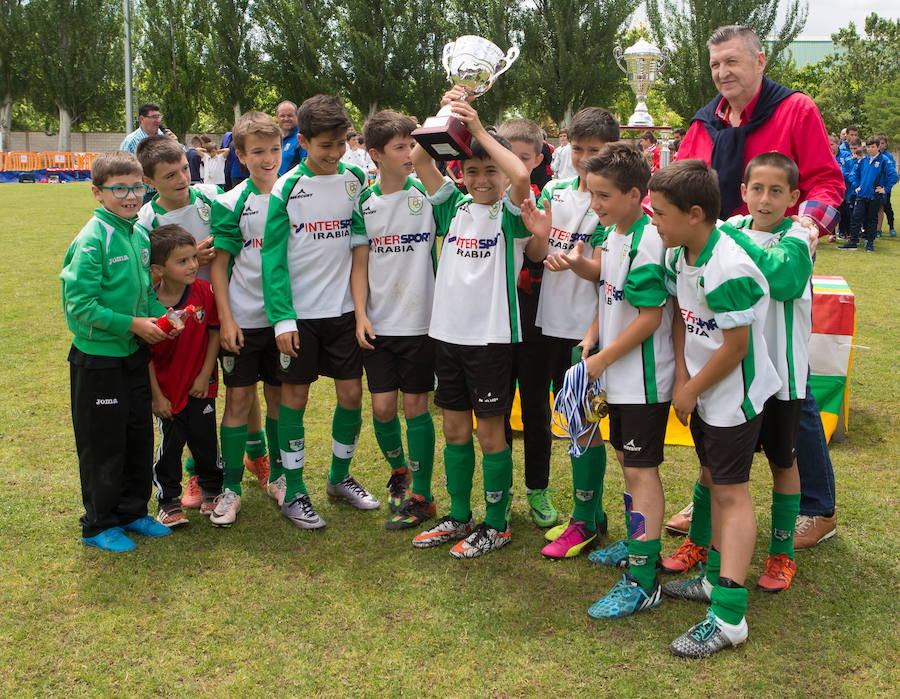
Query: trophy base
{"x": 444, "y": 138}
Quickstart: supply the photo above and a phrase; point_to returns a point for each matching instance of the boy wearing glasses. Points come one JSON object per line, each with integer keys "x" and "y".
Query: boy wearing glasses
{"x": 109, "y": 307}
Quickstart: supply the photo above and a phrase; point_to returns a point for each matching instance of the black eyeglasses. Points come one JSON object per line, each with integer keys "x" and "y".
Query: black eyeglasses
{"x": 120, "y": 191}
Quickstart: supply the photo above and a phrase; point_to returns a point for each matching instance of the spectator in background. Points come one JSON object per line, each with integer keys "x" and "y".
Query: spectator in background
{"x": 847, "y": 135}
{"x": 195, "y": 161}
{"x": 676, "y": 142}
{"x": 214, "y": 164}
{"x": 291, "y": 150}
{"x": 561, "y": 163}
{"x": 543, "y": 171}
{"x": 235, "y": 173}
{"x": 149, "y": 124}
{"x": 651, "y": 149}
{"x": 888, "y": 209}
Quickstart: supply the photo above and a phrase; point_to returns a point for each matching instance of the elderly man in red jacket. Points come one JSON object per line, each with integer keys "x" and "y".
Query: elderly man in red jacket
{"x": 753, "y": 115}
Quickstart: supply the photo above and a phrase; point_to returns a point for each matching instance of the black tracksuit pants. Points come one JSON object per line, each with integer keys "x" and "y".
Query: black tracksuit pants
{"x": 111, "y": 416}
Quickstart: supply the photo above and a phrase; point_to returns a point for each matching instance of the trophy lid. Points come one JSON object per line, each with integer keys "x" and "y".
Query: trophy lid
{"x": 642, "y": 47}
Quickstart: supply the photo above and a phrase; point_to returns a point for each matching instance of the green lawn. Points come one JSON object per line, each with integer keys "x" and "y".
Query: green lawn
{"x": 263, "y": 609}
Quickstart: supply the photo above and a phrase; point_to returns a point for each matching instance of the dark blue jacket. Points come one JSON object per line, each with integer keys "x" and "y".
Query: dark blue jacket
{"x": 872, "y": 172}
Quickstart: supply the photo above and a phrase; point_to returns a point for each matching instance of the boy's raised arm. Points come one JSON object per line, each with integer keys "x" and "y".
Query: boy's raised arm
{"x": 426, "y": 170}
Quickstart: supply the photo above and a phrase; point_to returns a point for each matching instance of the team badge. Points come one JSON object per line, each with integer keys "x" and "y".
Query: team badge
{"x": 203, "y": 211}
{"x": 493, "y": 496}
{"x": 413, "y": 465}
{"x": 285, "y": 360}
{"x": 145, "y": 257}
{"x": 296, "y": 444}
{"x": 781, "y": 534}
{"x": 394, "y": 453}
{"x": 584, "y": 495}
{"x": 352, "y": 188}
{"x": 637, "y": 560}
{"x": 494, "y": 210}
{"x": 415, "y": 204}
{"x": 227, "y": 364}
{"x": 200, "y": 314}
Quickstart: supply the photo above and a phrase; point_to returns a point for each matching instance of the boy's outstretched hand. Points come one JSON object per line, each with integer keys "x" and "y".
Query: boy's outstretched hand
{"x": 466, "y": 113}
{"x": 563, "y": 260}
{"x": 536, "y": 220}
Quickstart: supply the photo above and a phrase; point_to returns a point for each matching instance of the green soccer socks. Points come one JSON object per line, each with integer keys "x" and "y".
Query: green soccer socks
{"x": 643, "y": 557}
{"x": 292, "y": 445}
{"x": 233, "y": 443}
{"x": 345, "y": 426}
{"x": 588, "y": 472}
{"x": 275, "y": 467}
{"x": 497, "y": 471}
{"x": 459, "y": 462}
{"x": 387, "y": 434}
{"x": 701, "y": 520}
{"x": 420, "y": 438}
{"x": 256, "y": 444}
{"x": 785, "y": 509}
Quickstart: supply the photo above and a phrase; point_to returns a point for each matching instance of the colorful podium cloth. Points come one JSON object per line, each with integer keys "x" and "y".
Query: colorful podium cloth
{"x": 830, "y": 358}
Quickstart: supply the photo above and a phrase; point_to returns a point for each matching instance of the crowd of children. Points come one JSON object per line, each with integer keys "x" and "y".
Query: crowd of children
{"x": 317, "y": 273}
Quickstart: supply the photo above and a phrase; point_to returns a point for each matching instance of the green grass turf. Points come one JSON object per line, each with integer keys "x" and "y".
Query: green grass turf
{"x": 263, "y": 609}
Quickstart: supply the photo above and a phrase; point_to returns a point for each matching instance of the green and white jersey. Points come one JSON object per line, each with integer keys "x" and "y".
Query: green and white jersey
{"x": 632, "y": 276}
{"x": 567, "y": 302}
{"x": 783, "y": 258}
{"x": 194, "y": 218}
{"x": 722, "y": 290}
{"x": 399, "y": 229}
{"x": 238, "y": 227}
{"x": 306, "y": 248}
{"x": 475, "y": 299}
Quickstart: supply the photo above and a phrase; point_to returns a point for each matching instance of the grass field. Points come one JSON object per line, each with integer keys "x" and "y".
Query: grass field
{"x": 263, "y": 609}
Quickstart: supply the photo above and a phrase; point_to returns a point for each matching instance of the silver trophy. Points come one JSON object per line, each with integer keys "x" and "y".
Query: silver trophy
{"x": 473, "y": 63}
{"x": 641, "y": 64}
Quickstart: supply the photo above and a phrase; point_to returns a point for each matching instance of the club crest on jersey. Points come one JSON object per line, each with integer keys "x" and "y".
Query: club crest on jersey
{"x": 145, "y": 257}
{"x": 352, "y": 188}
{"x": 415, "y": 204}
{"x": 203, "y": 211}
{"x": 493, "y": 496}
{"x": 494, "y": 211}
{"x": 227, "y": 364}
{"x": 285, "y": 360}
{"x": 584, "y": 495}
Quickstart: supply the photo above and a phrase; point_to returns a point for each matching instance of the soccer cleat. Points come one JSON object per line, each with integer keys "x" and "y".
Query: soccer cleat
{"x": 892, "y": 233}
{"x": 147, "y": 526}
{"x": 483, "y": 539}
{"x": 625, "y": 598}
{"x": 207, "y": 504}
{"x": 192, "y": 496}
{"x": 779, "y": 573}
{"x": 444, "y": 530}
{"x": 276, "y": 489}
{"x": 112, "y": 539}
{"x": 414, "y": 511}
{"x": 848, "y": 246}
{"x": 614, "y": 556}
{"x": 228, "y": 504}
{"x": 709, "y": 636}
{"x": 351, "y": 491}
{"x": 302, "y": 514}
{"x": 554, "y": 533}
{"x": 171, "y": 516}
{"x": 543, "y": 514}
{"x": 259, "y": 467}
{"x": 398, "y": 487}
{"x": 680, "y": 523}
{"x": 870, "y": 246}
{"x": 573, "y": 541}
{"x": 696, "y": 589}
{"x": 686, "y": 557}
{"x": 809, "y": 531}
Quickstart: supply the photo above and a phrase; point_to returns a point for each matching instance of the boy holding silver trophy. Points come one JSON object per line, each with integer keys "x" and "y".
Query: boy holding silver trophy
{"x": 475, "y": 319}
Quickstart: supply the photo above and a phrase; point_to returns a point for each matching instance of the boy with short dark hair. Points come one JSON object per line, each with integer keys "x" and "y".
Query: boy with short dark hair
{"x": 249, "y": 353}
{"x": 306, "y": 263}
{"x": 475, "y": 322}
{"x": 566, "y": 311}
{"x": 635, "y": 364}
{"x": 183, "y": 376}
{"x": 888, "y": 207}
{"x": 110, "y": 308}
{"x": 392, "y": 282}
{"x": 723, "y": 377}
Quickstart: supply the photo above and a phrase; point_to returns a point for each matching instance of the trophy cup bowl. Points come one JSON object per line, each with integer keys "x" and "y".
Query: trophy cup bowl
{"x": 474, "y": 64}
{"x": 641, "y": 64}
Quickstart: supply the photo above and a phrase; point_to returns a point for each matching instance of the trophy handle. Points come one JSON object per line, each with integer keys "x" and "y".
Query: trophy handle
{"x": 665, "y": 55}
{"x": 617, "y": 54}
{"x": 448, "y": 53}
{"x": 504, "y": 64}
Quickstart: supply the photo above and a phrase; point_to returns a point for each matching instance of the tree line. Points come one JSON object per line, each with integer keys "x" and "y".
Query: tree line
{"x": 205, "y": 61}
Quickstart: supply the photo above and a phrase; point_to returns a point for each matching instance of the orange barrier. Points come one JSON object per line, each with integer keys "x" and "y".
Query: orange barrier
{"x": 85, "y": 160}
{"x": 63, "y": 161}
{"x": 21, "y": 160}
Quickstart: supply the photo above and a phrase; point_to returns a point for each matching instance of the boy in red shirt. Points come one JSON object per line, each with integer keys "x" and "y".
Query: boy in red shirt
{"x": 183, "y": 376}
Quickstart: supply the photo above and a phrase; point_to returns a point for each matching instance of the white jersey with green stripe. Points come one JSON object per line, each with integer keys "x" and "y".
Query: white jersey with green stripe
{"x": 306, "y": 248}
{"x": 194, "y": 218}
{"x": 399, "y": 229}
{"x": 722, "y": 290}
{"x": 782, "y": 255}
{"x": 475, "y": 299}
{"x": 567, "y": 302}
{"x": 238, "y": 227}
{"x": 632, "y": 276}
